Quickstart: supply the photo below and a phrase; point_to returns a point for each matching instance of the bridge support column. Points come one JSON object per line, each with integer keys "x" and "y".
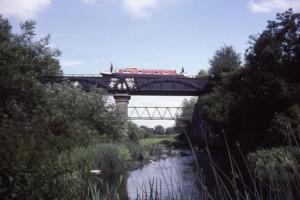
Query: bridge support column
{"x": 122, "y": 101}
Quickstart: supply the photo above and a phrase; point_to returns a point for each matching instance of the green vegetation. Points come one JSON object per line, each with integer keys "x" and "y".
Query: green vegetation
{"x": 225, "y": 60}
{"x": 276, "y": 163}
{"x": 51, "y": 136}
{"x": 42, "y": 125}
{"x": 71, "y": 169}
{"x": 159, "y": 140}
{"x": 258, "y": 105}
{"x": 187, "y": 111}
{"x": 255, "y": 109}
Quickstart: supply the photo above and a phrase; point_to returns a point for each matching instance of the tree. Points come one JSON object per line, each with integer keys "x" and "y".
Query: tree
{"x": 202, "y": 72}
{"x": 22, "y": 60}
{"x": 258, "y": 105}
{"x": 224, "y": 60}
{"x": 159, "y": 130}
{"x": 170, "y": 130}
{"x": 187, "y": 111}
{"x": 147, "y": 131}
{"x": 38, "y": 122}
{"x": 270, "y": 84}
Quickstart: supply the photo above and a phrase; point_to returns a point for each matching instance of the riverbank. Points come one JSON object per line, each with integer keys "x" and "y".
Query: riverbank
{"x": 154, "y": 148}
{"x": 110, "y": 159}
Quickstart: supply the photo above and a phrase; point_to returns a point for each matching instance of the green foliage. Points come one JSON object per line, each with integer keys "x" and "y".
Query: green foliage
{"x": 159, "y": 130}
{"x": 71, "y": 110}
{"x": 225, "y": 60}
{"x": 202, "y": 72}
{"x": 216, "y": 106}
{"x": 277, "y": 163}
{"x": 39, "y": 122}
{"x": 134, "y": 132}
{"x": 148, "y": 132}
{"x": 285, "y": 126}
{"x": 109, "y": 158}
{"x": 68, "y": 175}
{"x": 170, "y": 130}
{"x": 270, "y": 82}
{"x": 258, "y": 105}
{"x": 158, "y": 140}
{"x": 138, "y": 152}
{"x": 187, "y": 111}
{"x": 22, "y": 61}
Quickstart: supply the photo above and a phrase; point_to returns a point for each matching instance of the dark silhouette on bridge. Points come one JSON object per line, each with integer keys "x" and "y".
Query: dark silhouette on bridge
{"x": 138, "y": 84}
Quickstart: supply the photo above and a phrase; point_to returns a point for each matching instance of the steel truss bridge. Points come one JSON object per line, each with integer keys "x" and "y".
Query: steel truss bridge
{"x": 136, "y": 84}
{"x": 125, "y": 85}
{"x": 156, "y": 113}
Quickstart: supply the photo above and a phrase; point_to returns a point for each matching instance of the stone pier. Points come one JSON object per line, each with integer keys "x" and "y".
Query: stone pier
{"x": 122, "y": 101}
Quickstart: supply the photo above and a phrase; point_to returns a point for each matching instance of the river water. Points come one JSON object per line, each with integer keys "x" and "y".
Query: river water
{"x": 169, "y": 177}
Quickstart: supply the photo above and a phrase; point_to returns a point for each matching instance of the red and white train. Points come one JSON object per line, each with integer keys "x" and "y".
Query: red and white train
{"x": 135, "y": 70}
{"x": 140, "y": 71}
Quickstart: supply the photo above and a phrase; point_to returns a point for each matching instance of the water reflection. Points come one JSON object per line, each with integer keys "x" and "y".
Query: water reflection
{"x": 172, "y": 176}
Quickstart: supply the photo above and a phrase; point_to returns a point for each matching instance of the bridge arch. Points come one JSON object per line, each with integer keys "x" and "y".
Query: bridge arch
{"x": 178, "y": 82}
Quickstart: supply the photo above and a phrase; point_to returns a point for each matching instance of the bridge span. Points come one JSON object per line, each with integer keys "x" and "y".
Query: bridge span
{"x": 125, "y": 85}
{"x": 134, "y": 84}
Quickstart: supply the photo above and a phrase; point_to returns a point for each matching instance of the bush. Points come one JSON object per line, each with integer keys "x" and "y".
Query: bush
{"x": 134, "y": 132}
{"x": 67, "y": 176}
{"x": 137, "y": 152}
{"x": 279, "y": 163}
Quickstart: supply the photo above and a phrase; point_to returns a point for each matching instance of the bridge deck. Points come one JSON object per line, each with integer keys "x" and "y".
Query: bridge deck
{"x": 137, "y": 84}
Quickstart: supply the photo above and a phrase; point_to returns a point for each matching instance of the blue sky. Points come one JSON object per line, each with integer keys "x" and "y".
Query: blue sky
{"x": 147, "y": 33}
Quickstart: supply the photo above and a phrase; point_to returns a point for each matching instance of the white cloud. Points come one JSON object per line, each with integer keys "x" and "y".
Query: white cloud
{"x": 70, "y": 63}
{"x": 22, "y": 9}
{"x": 267, "y": 6}
{"x": 135, "y": 8}
{"x": 139, "y": 8}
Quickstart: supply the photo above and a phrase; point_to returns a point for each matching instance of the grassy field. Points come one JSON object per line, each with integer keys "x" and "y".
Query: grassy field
{"x": 158, "y": 139}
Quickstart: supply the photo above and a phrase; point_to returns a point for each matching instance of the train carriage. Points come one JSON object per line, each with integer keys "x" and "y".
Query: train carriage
{"x": 135, "y": 70}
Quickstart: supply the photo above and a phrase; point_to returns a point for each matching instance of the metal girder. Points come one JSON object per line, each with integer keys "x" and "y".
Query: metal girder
{"x": 137, "y": 84}
{"x": 156, "y": 113}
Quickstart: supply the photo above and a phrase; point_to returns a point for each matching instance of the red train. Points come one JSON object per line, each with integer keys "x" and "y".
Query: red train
{"x": 140, "y": 71}
{"x": 135, "y": 70}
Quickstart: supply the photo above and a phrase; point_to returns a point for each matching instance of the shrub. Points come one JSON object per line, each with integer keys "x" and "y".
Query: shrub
{"x": 276, "y": 163}
{"x": 137, "y": 152}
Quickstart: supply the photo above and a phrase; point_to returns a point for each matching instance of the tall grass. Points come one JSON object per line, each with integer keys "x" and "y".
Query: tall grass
{"x": 71, "y": 173}
{"x": 265, "y": 174}
{"x": 70, "y": 176}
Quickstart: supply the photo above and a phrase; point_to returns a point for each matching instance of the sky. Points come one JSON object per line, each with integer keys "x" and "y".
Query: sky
{"x": 162, "y": 34}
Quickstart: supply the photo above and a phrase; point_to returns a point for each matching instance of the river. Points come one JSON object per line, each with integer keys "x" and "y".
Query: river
{"x": 169, "y": 177}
